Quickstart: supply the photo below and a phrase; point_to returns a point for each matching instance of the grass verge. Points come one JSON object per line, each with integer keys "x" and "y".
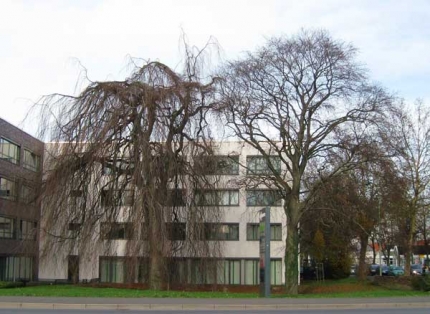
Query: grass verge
{"x": 346, "y": 288}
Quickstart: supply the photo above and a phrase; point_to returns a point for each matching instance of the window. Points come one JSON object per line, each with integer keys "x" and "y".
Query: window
{"x": 31, "y": 160}
{"x": 217, "y": 198}
{"x": 76, "y": 199}
{"x": 222, "y": 232}
{"x": 7, "y": 228}
{"x": 276, "y": 271}
{"x": 263, "y": 198}
{"x": 231, "y": 272}
{"x": 7, "y": 189}
{"x": 176, "y": 231}
{"x": 117, "y": 198}
{"x": 218, "y": 165}
{"x": 253, "y": 232}
{"x": 116, "y": 231}
{"x": 27, "y": 195}
{"x": 119, "y": 166}
{"x": 74, "y": 226}
{"x": 27, "y": 230}
{"x": 112, "y": 269}
{"x": 256, "y": 165}
{"x": 15, "y": 268}
{"x": 9, "y": 151}
{"x": 252, "y": 272}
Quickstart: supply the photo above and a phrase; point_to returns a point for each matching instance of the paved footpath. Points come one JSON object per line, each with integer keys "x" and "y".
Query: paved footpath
{"x": 209, "y": 304}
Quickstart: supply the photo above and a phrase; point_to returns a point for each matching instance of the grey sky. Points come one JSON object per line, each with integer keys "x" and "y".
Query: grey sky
{"x": 40, "y": 41}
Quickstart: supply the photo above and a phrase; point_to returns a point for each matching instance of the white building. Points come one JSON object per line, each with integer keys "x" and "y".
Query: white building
{"x": 237, "y": 233}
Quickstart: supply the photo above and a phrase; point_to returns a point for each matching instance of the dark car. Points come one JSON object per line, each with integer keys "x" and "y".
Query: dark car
{"x": 416, "y": 269}
{"x": 384, "y": 270}
{"x": 373, "y": 269}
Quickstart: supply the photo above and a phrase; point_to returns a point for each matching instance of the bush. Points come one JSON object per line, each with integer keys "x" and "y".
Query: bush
{"x": 421, "y": 283}
{"x": 10, "y": 284}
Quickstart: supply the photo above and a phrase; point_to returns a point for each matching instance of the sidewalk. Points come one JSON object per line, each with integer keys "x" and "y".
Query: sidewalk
{"x": 209, "y": 304}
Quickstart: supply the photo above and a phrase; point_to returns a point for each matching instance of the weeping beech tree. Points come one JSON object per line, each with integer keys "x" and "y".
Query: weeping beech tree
{"x": 121, "y": 164}
{"x": 295, "y": 98}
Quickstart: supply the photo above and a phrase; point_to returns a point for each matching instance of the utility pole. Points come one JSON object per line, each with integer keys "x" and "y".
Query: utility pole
{"x": 264, "y": 230}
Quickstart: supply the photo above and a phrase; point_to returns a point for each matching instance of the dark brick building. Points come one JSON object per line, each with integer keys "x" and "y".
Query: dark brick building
{"x": 20, "y": 179}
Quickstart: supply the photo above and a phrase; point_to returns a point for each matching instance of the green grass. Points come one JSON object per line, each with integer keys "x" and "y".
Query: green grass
{"x": 79, "y": 291}
{"x": 345, "y": 288}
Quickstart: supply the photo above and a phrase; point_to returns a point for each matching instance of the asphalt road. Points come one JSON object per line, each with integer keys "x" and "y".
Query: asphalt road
{"x": 360, "y": 311}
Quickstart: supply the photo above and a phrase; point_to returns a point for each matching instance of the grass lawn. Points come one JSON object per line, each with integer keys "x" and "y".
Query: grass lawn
{"x": 345, "y": 288}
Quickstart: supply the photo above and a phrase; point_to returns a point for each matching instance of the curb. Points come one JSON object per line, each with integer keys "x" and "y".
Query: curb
{"x": 219, "y": 307}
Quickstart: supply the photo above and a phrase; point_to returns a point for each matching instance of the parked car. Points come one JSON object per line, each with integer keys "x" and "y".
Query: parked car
{"x": 373, "y": 269}
{"x": 395, "y": 271}
{"x": 384, "y": 270}
{"x": 416, "y": 269}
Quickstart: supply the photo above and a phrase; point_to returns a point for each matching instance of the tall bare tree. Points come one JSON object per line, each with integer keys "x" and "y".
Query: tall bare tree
{"x": 121, "y": 161}
{"x": 293, "y": 98}
{"x": 407, "y": 134}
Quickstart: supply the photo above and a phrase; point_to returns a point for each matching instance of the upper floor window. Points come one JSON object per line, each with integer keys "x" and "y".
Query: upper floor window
{"x": 117, "y": 197}
{"x": 28, "y": 195}
{"x": 218, "y": 165}
{"x": 217, "y": 197}
{"x": 9, "y": 151}
{"x": 257, "y": 165}
{"x": 116, "y": 231}
{"x": 221, "y": 231}
{"x": 31, "y": 160}
{"x": 7, "y": 189}
{"x": 118, "y": 167}
{"x": 253, "y": 232}
{"x": 7, "y": 228}
{"x": 27, "y": 230}
{"x": 176, "y": 231}
{"x": 263, "y": 198}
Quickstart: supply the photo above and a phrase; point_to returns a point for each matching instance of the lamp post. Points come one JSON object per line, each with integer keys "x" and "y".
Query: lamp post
{"x": 264, "y": 232}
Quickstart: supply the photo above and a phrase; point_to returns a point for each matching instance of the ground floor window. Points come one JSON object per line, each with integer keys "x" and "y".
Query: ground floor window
{"x": 112, "y": 270}
{"x": 14, "y": 268}
{"x": 252, "y": 272}
{"x": 190, "y": 271}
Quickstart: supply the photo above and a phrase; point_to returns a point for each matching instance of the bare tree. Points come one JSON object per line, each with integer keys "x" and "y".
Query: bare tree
{"x": 407, "y": 135}
{"x": 293, "y": 98}
{"x": 122, "y": 162}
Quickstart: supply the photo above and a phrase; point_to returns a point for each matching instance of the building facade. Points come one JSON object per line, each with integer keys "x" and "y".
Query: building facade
{"x": 237, "y": 232}
{"x": 20, "y": 179}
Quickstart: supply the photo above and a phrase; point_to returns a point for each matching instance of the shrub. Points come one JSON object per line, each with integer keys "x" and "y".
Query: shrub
{"x": 421, "y": 283}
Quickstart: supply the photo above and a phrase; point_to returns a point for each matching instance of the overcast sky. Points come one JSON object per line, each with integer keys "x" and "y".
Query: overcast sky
{"x": 41, "y": 41}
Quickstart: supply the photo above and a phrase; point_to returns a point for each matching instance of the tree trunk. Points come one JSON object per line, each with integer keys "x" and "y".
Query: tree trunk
{"x": 292, "y": 249}
{"x": 362, "y": 267}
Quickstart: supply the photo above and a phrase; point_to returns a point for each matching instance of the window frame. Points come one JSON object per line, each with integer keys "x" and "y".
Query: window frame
{"x": 116, "y": 198}
{"x": 275, "y": 229}
{"x": 209, "y": 232}
{"x": 212, "y": 165}
{"x": 107, "y": 230}
{"x": 34, "y": 165}
{"x": 27, "y": 194}
{"x": 7, "y": 157}
{"x": 12, "y": 195}
{"x": 259, "y": 160}
{"x": 13, "y": 228}
{"x": 171, "y": 231}
{"x": 31, "y": 230}
{"x": 218, "y": 196}
{"x": 278, "y": 203}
